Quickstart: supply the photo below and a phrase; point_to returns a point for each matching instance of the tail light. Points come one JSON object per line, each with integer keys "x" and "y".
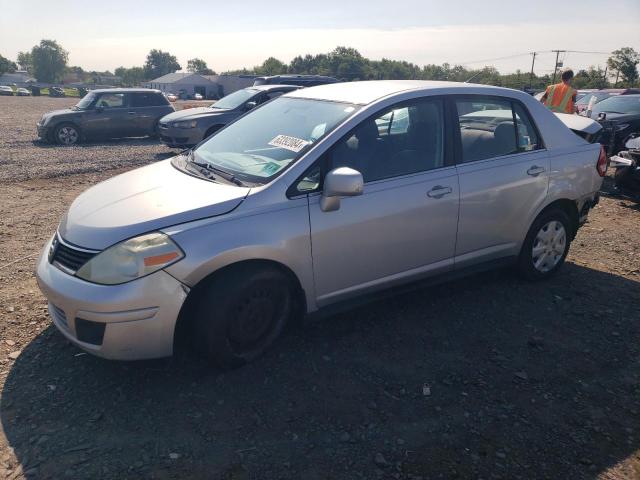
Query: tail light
{"x": 603, "y": 162}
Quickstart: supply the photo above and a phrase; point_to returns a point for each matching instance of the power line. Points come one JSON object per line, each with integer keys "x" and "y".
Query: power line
{"x": 495, "y": 59}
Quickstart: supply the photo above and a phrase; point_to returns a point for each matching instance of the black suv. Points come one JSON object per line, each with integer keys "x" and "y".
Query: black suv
{"x": 109, "y": 113}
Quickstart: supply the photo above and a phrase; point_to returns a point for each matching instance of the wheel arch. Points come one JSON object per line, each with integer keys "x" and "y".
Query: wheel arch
{"x": 567, "y": 206}
{"x": 183, "y": 325}
{"x": 212, "y": 129}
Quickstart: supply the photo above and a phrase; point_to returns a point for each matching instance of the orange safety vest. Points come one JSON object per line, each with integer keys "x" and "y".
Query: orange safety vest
{"x": 560, "y": 98}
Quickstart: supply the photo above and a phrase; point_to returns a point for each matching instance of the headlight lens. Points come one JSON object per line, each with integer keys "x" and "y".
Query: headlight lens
{"x": 131, "y": 259}
{"x": 186, "y": 124}
{"x": 621, "y": 126}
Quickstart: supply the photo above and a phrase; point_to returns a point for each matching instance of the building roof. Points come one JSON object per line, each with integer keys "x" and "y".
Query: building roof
{"x": 177, "y": 77}
{"x": 366, "y": 92}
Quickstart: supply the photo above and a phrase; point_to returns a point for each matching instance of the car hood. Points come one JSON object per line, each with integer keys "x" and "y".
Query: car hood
{"x": 617, "y": 117}
{"x": 193, "y": 114}
{"x": 143, "y": 200}
{"x": 55, "y": 113}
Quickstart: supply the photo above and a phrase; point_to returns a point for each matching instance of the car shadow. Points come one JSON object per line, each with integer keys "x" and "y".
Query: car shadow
{"x": 487, "y": 376}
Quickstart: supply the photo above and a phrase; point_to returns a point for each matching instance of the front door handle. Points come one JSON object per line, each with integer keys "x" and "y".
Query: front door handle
{"x": 535, "y": 171}
{"x": 439, "y": 191}
{"x": 131, "y": 113}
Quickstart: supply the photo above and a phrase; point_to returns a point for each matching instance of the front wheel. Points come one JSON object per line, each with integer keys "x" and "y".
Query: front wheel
{"x": 240, "y": 313}
{"x": 66, "y": 134}
{"x": 546, "y": 245}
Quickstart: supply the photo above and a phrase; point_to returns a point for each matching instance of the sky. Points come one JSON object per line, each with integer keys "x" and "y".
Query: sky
{"x": 235, "y": 34}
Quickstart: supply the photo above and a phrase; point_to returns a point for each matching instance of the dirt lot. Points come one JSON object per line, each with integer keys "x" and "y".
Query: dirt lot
{"x": 487, "y": 377}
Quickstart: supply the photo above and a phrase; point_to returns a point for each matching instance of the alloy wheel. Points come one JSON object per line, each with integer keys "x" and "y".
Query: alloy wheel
{"x": 68, "y": 135}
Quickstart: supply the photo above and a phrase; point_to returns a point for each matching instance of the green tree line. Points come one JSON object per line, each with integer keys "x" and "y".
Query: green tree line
{"x": 47, "y": 61}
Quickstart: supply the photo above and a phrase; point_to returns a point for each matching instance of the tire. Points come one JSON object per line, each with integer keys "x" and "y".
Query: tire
{"x": 546, "y": 245}
{"x": 240, "y": 313}
{"x": 66, "y": 134}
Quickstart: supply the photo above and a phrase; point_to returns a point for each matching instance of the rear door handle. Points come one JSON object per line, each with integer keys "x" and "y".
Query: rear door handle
{"x": 535, "y": 171}
{"x": 439, "y": 191}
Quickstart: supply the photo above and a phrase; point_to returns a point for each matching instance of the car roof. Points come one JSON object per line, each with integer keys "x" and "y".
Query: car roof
{"x": 366, "y": 92}
{"x": 125, "y": 90}
{"x": 273, "y": 87}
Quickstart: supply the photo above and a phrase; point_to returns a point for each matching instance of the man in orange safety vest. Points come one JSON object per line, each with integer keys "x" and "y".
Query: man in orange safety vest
{"x": 561, "y": 97}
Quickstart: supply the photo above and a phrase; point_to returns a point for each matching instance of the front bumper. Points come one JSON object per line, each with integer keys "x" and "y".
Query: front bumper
{"x": 131, "y": 321}
{"x": 43, "y": 131}
{"x": 180, "y": 137}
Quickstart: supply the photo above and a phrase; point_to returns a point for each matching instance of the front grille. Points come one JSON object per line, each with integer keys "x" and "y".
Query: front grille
{"x": 59, "y": 315}
{"x": 68, "y": 257}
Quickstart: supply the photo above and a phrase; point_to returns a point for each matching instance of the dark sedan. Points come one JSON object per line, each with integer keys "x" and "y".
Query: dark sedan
{"x": 620, "y": 117}
{"x": 109, "y": 113}
{"x": 189, "y": 127}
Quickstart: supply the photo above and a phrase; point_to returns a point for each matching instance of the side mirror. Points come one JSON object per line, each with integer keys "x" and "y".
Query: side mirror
{"x": 250, "y": 105}
{"x": 340, "y": 182}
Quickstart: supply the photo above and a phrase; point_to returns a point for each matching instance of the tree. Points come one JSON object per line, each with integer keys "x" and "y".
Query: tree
{"x": 25, "y": 61}
{"x": 7, "y": 65}
{"x": 271, "y": 66}
{"x": 131, "y": 77}
{"x": 49, "y": 61}
{"x": 197, "y": 65}
{"x": 160, "y": 63}
{"x": 625, "y": 61}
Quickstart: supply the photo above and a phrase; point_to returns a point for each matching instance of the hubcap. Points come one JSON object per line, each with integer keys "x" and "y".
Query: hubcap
{"x": 68, "y": 135}
{"x": 549, "y": 246}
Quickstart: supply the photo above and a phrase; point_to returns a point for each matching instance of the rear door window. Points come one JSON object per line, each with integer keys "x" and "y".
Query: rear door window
{"x": 148, "y": 100}
{"x": 493, "y": 127}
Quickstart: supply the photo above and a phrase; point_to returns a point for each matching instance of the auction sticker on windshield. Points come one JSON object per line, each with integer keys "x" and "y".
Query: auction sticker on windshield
{"x": 289, "y": 143}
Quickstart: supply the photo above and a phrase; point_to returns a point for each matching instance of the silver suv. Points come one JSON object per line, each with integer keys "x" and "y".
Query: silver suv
{"x": 319, "y": 196}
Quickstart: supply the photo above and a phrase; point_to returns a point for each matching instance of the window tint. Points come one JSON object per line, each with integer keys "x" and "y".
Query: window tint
{"x": 148, "y": 100}
{"x": 112, "y": 100}
{"x": 400, "y": 141}
{"x": 527, "y": 136}
{"x": 486, "y": 128}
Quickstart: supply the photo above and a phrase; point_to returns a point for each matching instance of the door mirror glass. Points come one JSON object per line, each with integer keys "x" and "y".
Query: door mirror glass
{"x": 340, "y": 182}
{"x": 250, "y": 105}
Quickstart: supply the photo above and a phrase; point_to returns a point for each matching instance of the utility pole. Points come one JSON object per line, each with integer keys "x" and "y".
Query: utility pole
{"x": 533, "y": 62}
{"x": 555, "y": 70}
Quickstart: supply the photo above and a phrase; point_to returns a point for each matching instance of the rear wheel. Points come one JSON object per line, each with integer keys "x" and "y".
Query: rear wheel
{"x": 240, "y": 313}
{"x": 546, "y": 245}
{"x": 66, "y": 134}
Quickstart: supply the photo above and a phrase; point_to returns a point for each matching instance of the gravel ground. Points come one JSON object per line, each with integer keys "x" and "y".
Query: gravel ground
{"x": 487, "y": 377}
{"x": 24, "y": 156}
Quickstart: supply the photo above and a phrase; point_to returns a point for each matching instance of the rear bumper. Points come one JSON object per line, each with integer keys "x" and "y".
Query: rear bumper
{"x": 131, "y": 321}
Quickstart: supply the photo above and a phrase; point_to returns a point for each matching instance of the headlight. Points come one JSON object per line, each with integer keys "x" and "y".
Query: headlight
{"x": 131, "y": 259}
{"x": 621, "y": 126}
{"x": 187, "y": 124}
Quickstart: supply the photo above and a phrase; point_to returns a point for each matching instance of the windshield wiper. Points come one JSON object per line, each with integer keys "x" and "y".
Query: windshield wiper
{"x": 228, "y": 176}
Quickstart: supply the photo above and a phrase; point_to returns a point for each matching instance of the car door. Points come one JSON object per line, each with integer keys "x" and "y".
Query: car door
{"x": 503, "y": 169}
{"x": 404, "y": 224}
{"x": 146, "y": 109}
{"x": 112, "y": 112}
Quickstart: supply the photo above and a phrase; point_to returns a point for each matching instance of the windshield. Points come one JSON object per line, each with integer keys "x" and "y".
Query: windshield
{"x": 86, "y": 101}
{"x": 235, "y": 99}
{"x": 587, "y": 98}
{"x": 619, "y": 104}
{"x": 262, "y": 144}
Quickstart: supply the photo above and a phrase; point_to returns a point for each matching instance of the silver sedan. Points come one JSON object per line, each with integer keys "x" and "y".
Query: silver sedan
{"x": 317, "y": 197}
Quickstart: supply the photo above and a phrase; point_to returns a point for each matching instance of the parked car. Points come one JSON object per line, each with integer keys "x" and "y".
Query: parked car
{"x": 599, "y": 95}
{"x": 4, "y": 90}
{"x": 56, "y": 92}
{"x": 186, "y": 128}
{"x": 312, "y": 199}
{"x": 23, "y": 92}
{"x": 172, "y": 97}
{"x": 620, "y": 115}
{"x": 197, "y": 96}
{"x": 300, "y": 80}
{"x": 107, "y": 113}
